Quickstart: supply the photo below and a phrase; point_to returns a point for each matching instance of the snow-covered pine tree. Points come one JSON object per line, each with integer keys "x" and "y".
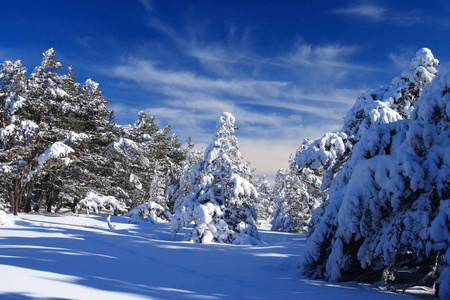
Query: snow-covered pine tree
{"x": 12, "y": 89}
{"x": 15, "y": 136}
{"x": 279, "y": 198}
{"x": 183, "y": 186}
{"x": 25, "y": 137}
{"x": 264, "y": 205}
{"x": 388, "y": 212}
{"x": 138, "y": 151}
{"x": 44, "y": 105}
{"x": 156, "y": 208}
{"x": 392, "y": 102}
{"x": 90, "y": 128}
{"x": 318, "y": 162}
{"x": 157, "y": 192}
{"x": 177, "y": 179}
{"x": 45, "y": 112}
{"x": 218, "y": 203}
{"x": 389, "y": 103}
{"x": 292, "y": 207}
{"x": 128, "y": 160}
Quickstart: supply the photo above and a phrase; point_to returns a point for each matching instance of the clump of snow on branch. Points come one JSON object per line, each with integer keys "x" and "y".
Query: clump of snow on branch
{"x": 126, "y": 148}
{"x": 19, "y": 133}
{"x": 57, "y": 150}
{"x": 74, "y": 137}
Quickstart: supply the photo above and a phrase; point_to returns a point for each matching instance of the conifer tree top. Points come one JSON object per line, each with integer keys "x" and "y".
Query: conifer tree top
{"x": 421, "y": 69}
{"x": 49, "y": 61}
{"x": 224, "y": 128}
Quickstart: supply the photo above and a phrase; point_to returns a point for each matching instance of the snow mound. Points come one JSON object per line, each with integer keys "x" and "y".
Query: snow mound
{"x": 150, "y": 211}
{"x": 99, "y": 202}
{"x": 4, "y": 220}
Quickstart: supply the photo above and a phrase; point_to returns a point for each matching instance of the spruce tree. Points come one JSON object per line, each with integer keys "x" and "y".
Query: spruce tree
{"x": 221, "y": 190}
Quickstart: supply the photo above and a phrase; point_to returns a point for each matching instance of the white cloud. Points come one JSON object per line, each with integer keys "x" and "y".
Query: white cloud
{"x": 365, "y": 10}
{"x": 265, "y": 108}
{"x": 372, "y": 12}
{"x": 145, "y": 72}
{"x": 329, "y": 60}
{"x": 273, "y": 115}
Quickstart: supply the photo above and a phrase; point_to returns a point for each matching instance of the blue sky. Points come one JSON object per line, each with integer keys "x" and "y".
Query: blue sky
{"x": 285, "y": 69}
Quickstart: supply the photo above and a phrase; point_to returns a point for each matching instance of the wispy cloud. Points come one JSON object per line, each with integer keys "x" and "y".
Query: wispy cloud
{"x": 375, "y": 13}
{"x": 145, "y": 72}
{"x": 147, "y": 5}
{"x": 272, "y": 98}
{"x": 192, "y": 89}
{"x": 268, "y": 112}
{"x": 364, "y": 10}
{"x": 329, "y": 55}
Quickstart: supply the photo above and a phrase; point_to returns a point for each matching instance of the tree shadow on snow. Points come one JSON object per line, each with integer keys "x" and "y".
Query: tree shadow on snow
{"x": 22, "y": 296}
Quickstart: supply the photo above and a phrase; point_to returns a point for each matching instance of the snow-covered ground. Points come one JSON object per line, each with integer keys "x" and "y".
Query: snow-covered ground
{"x": 70, "y": 257}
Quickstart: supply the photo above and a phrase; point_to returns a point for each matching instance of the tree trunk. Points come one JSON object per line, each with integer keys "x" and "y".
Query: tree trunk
{"x": 11, "y": 197}
{"x": 39, "y": 201}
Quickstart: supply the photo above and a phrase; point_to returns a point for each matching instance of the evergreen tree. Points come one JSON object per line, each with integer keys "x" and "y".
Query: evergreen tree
{"x": 279, "y": 198}
{"x": 264, "y": 205}
{"x": 318, "y": 162}
{"x": 16, "y": 135}
{"x": 292, "y": 203}
{"x": 392, "y": 102}
{"x": 388, "y": 211}
{"x": 218, "y": 203}
{"x": 45, "y": 112}
{"x": 141, "y": 149}
{"x": 90, "y": 128}
{"x": 183, "y": 185}
{"x": 177, "y": 180}
{"x": 158, "y": 188}
{"x": 12, "y": 90}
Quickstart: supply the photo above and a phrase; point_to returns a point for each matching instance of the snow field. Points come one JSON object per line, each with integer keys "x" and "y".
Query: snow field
{"x": 70, "y": 257}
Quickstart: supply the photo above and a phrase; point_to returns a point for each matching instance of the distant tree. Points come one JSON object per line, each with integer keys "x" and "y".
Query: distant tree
{"x": 177, "y": 181}
{"x": 138, "y": 152}
{"x": 293, "y": 205}
{"x": 264, "y": 204}
{"x": 158, "y": 188}
{"x": 217, "y": 203}
{"x": 280, "y": 202}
